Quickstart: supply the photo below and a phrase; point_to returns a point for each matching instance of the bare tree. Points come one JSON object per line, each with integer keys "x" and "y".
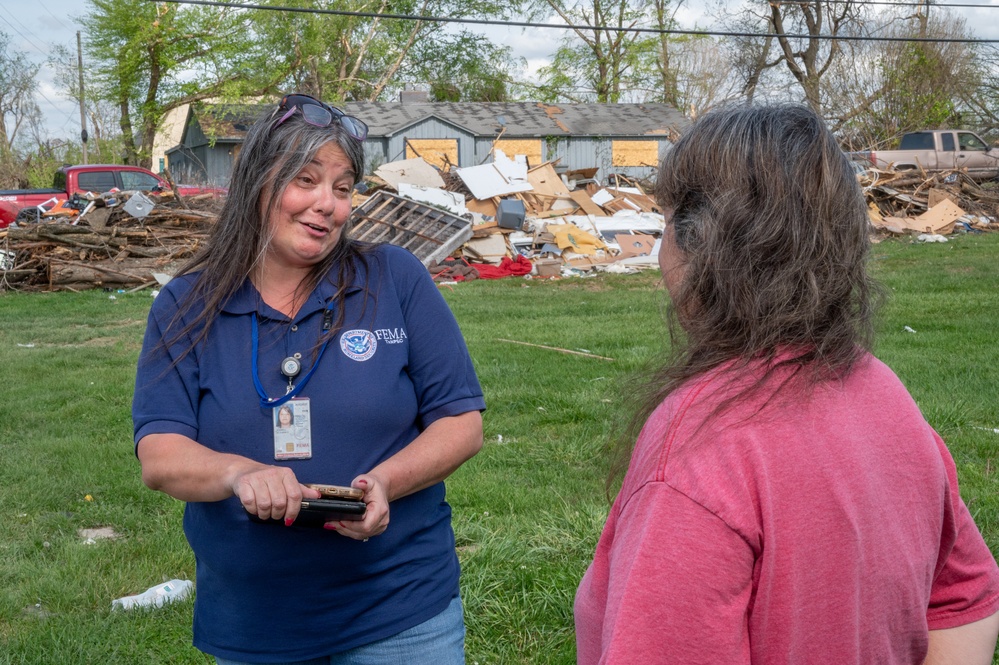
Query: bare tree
{"x": 699, "y": 75}
{"x": 592, "y": 62}
{"x": 901, "y": 86}
{"x": 981, "y": 103}
{"x": 17, "y": 89}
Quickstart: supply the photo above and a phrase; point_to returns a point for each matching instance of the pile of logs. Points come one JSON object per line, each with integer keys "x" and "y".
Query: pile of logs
{"x": 911, "y": 193}
{"x": 106, "y": 248}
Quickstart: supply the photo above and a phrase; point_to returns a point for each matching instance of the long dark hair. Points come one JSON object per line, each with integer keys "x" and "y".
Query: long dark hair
{"x": 268, "y": 161}
{"x": 775, "y": 236}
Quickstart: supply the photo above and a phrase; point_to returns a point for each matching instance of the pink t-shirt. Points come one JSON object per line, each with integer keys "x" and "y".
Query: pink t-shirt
{"x": 826, "y": 528}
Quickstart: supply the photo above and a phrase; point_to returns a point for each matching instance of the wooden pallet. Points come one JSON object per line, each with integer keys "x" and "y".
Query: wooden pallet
{"x": 429, "y": 233}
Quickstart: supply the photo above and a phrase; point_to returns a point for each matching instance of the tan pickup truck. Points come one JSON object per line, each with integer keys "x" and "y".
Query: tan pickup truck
{"x": 939, "y": 150}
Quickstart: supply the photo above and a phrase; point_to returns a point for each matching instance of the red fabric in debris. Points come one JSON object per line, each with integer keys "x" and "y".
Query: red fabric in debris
{"x": 506, "y": 268}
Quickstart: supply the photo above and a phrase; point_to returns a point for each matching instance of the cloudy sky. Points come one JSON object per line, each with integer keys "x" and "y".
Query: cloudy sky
{"x": 35, "y": 26}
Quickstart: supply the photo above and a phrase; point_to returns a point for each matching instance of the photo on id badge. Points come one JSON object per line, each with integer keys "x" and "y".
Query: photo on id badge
{"x": 292, "y": 430}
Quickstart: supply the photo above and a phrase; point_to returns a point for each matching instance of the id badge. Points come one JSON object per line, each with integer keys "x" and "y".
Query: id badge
{"x": 293, "y": 430}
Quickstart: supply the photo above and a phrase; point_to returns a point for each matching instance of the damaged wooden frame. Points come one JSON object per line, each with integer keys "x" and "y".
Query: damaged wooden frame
{"x": 428, "y": 232}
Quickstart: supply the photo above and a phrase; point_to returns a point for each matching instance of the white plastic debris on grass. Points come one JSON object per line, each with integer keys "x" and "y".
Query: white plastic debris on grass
{"x": 931, "y": 237}
{"x": 156, "y": 596}
{"x": 908, "y": 329}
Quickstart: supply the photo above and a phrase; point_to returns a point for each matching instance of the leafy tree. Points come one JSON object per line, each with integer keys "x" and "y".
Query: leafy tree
{"x": 911, "y": 85}
{"x": 596, "y": 64}
{"x": 350, "y": 57}
{"x": 148, "y": 58}
{"x": 464, "y": 68}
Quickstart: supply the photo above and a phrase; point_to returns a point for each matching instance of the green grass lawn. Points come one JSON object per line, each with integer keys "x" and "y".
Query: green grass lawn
{"x": 528, "y": 509}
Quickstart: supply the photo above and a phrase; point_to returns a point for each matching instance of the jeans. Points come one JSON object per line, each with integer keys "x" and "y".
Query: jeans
{"x": 437, "y": 641}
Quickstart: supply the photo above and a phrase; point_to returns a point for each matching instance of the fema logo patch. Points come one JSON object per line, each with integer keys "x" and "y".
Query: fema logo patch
{"x": 358, "y": 345}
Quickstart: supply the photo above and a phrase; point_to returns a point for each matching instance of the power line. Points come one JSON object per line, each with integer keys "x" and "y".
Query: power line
{"x": 887, "y": 3}
{"x": 37, "y": 90}
{"x": 24, "y": 30}
{"x": 525, "y": 24}
{"x": 57, "y": 20}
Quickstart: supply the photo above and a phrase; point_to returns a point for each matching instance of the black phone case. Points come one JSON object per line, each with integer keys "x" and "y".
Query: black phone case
{"x": 316, "y": 512}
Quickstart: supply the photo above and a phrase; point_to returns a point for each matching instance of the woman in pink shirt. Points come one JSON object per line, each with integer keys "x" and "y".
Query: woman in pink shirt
{"x": 785, "y": 501}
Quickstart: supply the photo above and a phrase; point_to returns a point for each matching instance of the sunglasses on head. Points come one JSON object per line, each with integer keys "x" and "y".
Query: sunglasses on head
{"x": 320, "y": 114}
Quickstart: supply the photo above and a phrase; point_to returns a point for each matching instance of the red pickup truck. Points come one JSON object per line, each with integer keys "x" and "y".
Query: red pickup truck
{"x": 97, "y": 178}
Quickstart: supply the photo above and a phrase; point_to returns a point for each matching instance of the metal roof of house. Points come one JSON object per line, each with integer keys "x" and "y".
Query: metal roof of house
{"x": 521, "y": 119}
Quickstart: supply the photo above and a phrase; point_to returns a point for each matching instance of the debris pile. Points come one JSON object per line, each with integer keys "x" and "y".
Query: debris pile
{"x": 493, "y": 220}
{"x": 529, "y": 219}
{"x": 930, "y": 205}
{"x": 114, "y": 240}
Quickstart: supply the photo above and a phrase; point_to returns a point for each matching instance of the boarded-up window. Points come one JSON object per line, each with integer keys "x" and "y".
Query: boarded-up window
{"x": 635, "y": 153}
{"x": 530, "y": 148}
{"x": 439, "y": 152}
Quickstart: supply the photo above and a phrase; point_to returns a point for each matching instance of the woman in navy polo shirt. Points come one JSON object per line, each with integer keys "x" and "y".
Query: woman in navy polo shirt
{"x": 283, "y": 309}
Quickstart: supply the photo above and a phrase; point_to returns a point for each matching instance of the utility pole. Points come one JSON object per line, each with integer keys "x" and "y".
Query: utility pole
{"x": 83, "y": 115}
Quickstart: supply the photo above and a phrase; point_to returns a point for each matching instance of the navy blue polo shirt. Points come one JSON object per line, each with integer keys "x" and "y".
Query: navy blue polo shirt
{"x": 271, "y": 593}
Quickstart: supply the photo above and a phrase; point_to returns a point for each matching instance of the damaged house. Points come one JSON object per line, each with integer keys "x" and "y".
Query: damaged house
{"x": 624, "y": 139}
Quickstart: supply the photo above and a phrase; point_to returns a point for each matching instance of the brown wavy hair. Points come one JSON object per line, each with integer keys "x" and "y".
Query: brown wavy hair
{"x": 774, "y": 233}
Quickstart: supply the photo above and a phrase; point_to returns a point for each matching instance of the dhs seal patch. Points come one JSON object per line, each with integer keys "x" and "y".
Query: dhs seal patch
{"x": 358, "y": 345}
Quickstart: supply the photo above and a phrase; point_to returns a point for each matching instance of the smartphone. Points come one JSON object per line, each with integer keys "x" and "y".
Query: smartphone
{"x": 337, "y": 491}
{"x": 316, "y": 512}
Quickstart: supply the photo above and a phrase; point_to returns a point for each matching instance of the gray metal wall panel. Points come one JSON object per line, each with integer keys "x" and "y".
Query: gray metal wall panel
{"x": 195, "y": 136}
{"x": 219, "y": 165}
{"x": 582, "y": 153}
{"x": 434, "y": 129}
{"x": 375, "y": 154}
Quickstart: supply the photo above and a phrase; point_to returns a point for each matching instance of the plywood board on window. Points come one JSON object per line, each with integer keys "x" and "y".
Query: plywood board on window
{"x": 530, "y": 148}
{"x": 438, "y": 152}
{"x": 634, "y": 153}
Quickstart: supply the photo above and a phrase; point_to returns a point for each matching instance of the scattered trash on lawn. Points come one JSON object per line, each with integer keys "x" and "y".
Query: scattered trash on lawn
{"x": 156, "y": 596}
{"x": 555, "y": 348}
{"x": 91, "y": 536}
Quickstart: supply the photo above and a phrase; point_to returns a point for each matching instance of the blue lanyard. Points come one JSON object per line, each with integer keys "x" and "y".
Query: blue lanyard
{"x": 272, "y": 402}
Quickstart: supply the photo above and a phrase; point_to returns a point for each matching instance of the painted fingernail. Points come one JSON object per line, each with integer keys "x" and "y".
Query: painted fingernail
{"x": 288, "y": 521}
{"x": 331, "y": 527}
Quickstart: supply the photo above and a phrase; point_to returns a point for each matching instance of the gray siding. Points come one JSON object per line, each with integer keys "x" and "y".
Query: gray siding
{"x": 579, "y": 136}
{"x": 433, "y": 129}
{"x": 201, "y": 165}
